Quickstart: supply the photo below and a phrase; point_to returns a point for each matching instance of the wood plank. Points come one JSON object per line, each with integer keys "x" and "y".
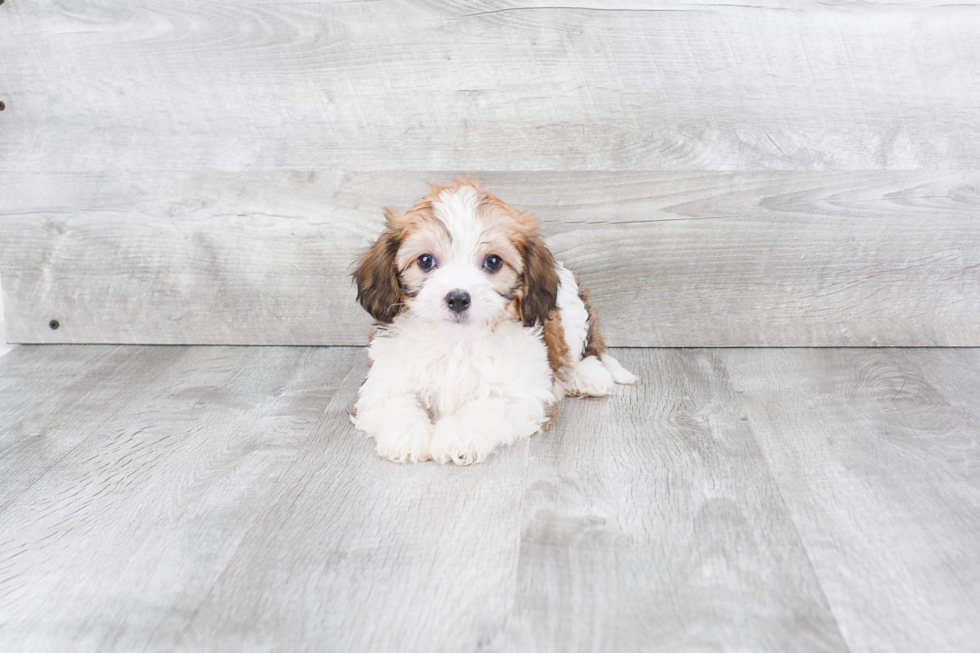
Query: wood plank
{"x": 952, "y": 373}
{"x": 414, "y": 85}
{"x": 365, "y": 555}
{"x": 880, "y": 472}
{"x": 113, "y": 547}
{"x": 651, "y": 522}
{"x": 4, "y": 348}
{"x": 744, "y": 499}
{"x": 672, "y": 259}
{"x": 90, "y": 383}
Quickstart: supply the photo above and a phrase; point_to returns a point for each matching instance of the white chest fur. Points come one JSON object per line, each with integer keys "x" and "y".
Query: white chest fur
{"x": 446, "y": 366}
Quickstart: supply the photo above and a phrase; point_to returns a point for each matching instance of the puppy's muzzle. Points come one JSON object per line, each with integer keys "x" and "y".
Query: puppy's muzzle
{"x": 458, "y": 300}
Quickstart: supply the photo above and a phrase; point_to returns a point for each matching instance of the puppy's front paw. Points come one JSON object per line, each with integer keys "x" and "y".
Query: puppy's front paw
{"x": 406, "y": 444}
{"x": 454, "y": 443}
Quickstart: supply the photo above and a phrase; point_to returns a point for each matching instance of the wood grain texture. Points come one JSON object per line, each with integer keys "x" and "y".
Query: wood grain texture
{"x": 418, "y": 85}
{"x": 4, "y": 347}
{"x": 672, "y": 259}
{"x": 92, "y": 384}
{"x": 734, "y": 500}
{"x": 651, "y": 522}
{"x": 129, "y": 518}
{"x": 358, "y": 554}
{"x": 204, "y": 172}
{"x": 877, "y": 455}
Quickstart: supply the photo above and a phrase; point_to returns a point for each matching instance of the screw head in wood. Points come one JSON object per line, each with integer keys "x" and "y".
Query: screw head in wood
{"x": 54, "y": 324}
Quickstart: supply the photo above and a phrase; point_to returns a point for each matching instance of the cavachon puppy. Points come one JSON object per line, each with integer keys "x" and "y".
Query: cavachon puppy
{"x": 479, "y": 332}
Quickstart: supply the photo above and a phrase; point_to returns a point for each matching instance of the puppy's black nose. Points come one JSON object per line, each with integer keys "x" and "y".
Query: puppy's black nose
{"x": 458, "y": 300}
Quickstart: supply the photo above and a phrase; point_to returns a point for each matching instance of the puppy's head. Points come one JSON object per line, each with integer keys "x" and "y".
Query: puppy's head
{"x": 459, "y": 256}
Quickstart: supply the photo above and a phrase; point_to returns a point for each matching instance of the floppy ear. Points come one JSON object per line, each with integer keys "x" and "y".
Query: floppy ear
{"x": 541, "y": 282}
{"x": 378, "y": 290}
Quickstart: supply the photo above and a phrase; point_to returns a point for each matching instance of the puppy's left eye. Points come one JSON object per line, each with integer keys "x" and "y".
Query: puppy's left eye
{"x": 493, "y": 263}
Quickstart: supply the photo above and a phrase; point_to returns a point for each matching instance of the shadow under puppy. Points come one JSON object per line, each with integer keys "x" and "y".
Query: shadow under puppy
{"x": 479, "y": 331}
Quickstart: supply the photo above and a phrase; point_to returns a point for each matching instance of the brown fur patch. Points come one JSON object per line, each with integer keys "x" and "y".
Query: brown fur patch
{"x": 384, "y": 279}
{"x": 538, "y": 294}
{"x": 554, "y": 342}
{"x": 540, "y": 282}
{"x": 376, "y": 278}
{"x": 551, "y": 413}
{"x": 594, "y": 343}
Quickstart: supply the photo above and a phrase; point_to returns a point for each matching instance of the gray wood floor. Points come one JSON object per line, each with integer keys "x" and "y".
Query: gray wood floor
{"x": 216, "y": 498}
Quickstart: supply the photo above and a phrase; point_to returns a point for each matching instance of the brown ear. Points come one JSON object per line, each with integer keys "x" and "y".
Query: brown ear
{"x": 541, "y": 283}
{"x": 378, "y": 290}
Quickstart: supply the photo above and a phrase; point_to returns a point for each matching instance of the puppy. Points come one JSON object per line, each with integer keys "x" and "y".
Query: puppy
{"x": 479, "y": 331}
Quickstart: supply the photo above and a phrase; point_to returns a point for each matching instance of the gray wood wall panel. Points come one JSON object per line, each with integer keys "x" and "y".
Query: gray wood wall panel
{"x": 410, "y": 85}
{"x": 673, "y": 259}
{"x": 781, "y": 173}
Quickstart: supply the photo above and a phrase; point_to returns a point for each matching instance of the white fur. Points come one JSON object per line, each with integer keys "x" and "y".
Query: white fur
{"x": 574, "y": 316}
{"x": 589, "y": 376}
{"x": 483, "y": 388}
{"x": 457, "y": 271}
{"x": 453, "y": 391}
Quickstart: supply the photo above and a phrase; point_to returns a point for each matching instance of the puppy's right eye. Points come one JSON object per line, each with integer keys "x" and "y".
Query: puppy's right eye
{"x": 427, "y": 262}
